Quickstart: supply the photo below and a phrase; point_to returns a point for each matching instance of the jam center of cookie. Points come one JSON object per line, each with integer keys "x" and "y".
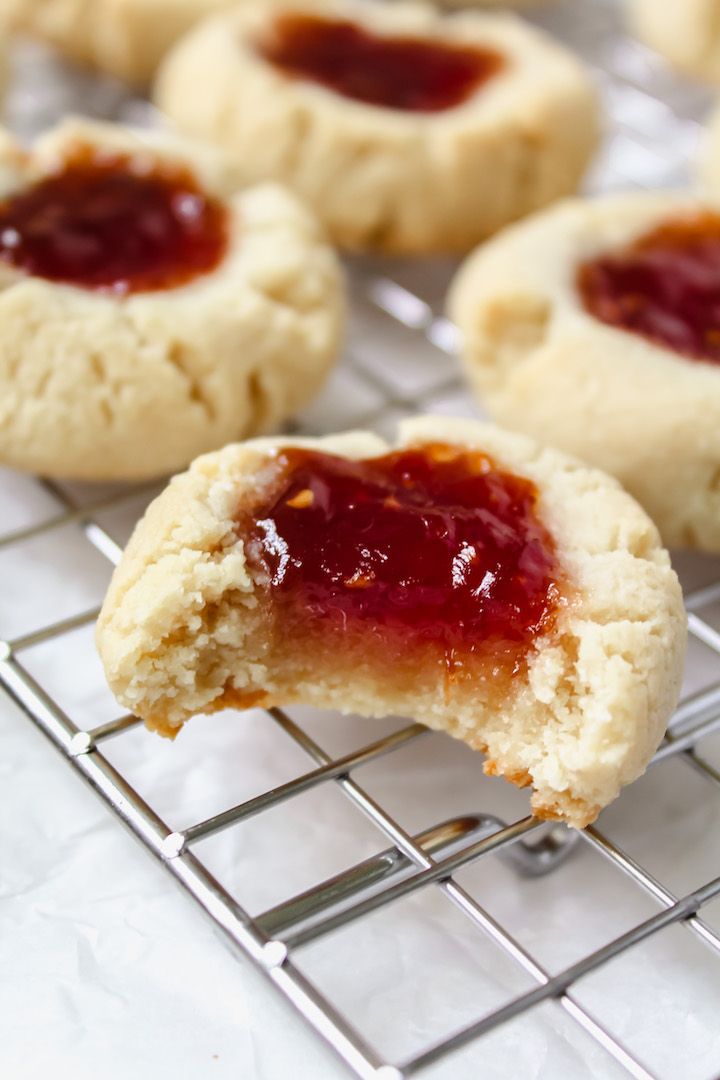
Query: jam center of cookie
{"x": 111, "y": 224}
{"x": 433, "y": 545}
{"x": 395, "y": 72}
{"x": 666, "y": 287}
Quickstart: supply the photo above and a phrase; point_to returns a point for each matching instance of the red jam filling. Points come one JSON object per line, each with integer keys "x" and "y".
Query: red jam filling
{"x": 434, "y": 546}
{"x": 108, "y": 223}
{"x": 395, "y": 72}
{"x": 665, "y": 287}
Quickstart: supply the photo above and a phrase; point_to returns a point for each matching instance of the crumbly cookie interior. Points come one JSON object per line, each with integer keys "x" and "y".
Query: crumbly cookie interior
{"x": 187, "y": 628}
{"x": 430, "y": 569}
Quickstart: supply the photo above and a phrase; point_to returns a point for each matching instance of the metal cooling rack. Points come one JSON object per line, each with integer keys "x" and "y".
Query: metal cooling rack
{"x": 399, "y": 361}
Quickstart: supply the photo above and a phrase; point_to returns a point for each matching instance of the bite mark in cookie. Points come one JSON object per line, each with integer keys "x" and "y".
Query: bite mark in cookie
{"x": 565, "y": 673}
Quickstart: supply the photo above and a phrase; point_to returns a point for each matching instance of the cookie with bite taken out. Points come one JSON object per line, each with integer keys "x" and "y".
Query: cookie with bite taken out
{"x": 462, "y": 576}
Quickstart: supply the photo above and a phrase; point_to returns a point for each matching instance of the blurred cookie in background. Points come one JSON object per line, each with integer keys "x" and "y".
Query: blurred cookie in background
{"x": 685, "y": 32}
{"x": 147, "y": 314}
{"x": 406, "y": 130}
{"x": 595, "y": 326}
{"x": 124, "y": 38}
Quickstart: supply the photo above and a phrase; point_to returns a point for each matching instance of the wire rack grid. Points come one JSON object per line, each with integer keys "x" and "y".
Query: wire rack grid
{"x": 400, "y": 361}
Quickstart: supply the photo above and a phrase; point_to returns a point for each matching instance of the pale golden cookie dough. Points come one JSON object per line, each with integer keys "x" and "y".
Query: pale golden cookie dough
{"x": 100, "y": 387}
{"x": 685, "y": 32}
{"x": 125, "y": 38}
{"x": 382, "y": 178}
{"x": 181, "y": 630}
{"x": 545, "y": 366}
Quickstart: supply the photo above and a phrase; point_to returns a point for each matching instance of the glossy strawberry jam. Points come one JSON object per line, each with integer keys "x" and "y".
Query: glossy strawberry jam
{"x": 666, "y": 287}
{"x": 109, "y": 223}
{"x": 395, "y": 72}
{"x": 434, "y": 546}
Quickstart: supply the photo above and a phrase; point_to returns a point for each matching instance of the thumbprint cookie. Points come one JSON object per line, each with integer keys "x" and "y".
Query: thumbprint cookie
{"x": 124, "y": 38}
{"x": 146, "y": 313}
{"x": 406, "y": 130}
{"x": 595, "y": 326}
{"x": 465, "y": 577}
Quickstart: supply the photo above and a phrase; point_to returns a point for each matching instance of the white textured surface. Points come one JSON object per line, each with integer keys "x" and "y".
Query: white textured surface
{"x": 107, "y": 971}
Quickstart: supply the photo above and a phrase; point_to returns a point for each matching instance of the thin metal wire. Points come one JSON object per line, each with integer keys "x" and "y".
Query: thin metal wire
{"x": 226, "y": 913}
{"x": 112, "y": 727}
{"x": 329, "y": 771}
{"x": 560, "y": 983}
{"x": 649, "y": 883}
{"x": 703, "y": 631}
{"x": 581, "y": 1015}
{"x": 527, "y": 859}
{"x": 423, "y": 857}
{"x": 696, "y": 717}
{"x": 47, "y": 633}
{"x": 692, "y": 719}
{"x": 313, "y": 903}
{"x": 269, "y": 955}
{"x": 412, "y": 863}
{"x": 82, "y": 514}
